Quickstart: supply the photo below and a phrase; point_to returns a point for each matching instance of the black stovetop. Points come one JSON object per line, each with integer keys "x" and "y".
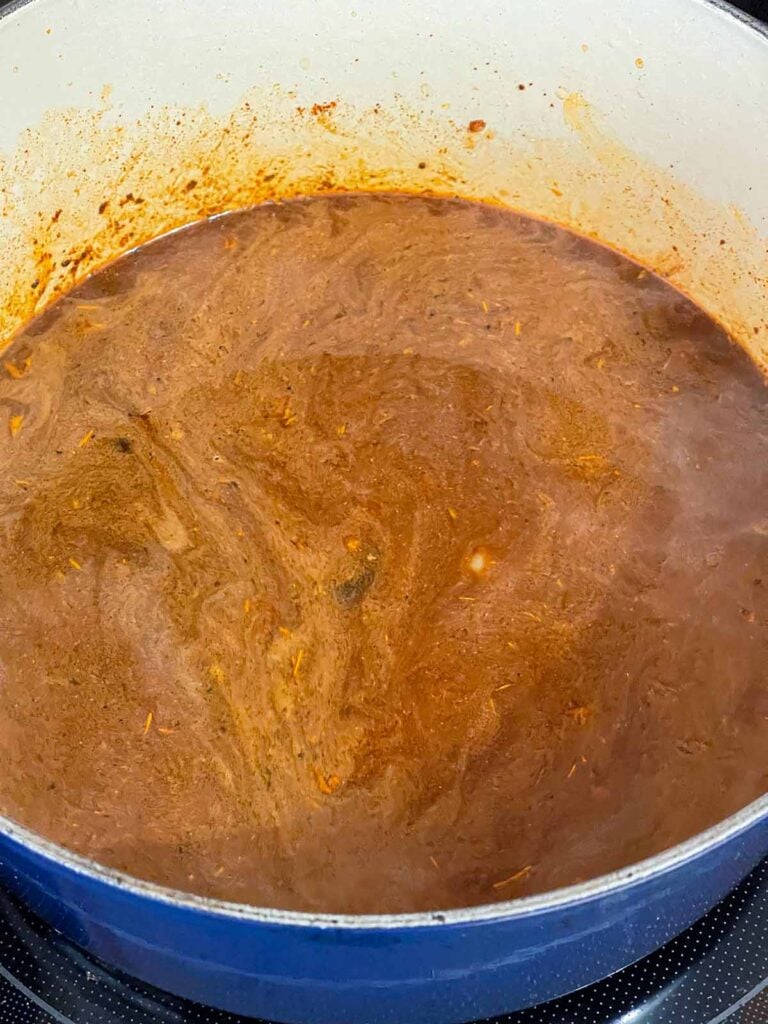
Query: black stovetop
{"x": 757, "y": 8}
{"x": 715, "y": 971}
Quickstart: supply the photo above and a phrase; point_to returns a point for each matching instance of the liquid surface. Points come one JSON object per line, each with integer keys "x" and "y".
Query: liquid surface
{"x": 380, "y": 554}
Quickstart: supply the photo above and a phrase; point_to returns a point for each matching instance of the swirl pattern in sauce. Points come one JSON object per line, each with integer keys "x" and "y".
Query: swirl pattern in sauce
{"x": 380, "y": 553}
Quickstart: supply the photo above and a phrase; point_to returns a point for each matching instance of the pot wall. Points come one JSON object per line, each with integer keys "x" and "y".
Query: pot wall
{"x": 642, "y": 125}
{"x": 448, "y": 969}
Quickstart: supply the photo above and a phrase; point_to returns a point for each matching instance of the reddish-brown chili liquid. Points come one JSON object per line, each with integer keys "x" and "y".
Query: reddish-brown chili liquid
{"x": 379, "y": 553}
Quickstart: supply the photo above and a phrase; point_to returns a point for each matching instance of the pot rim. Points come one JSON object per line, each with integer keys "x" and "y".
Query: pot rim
{"x": 634, "y": 874}
{"x": 554, "y": 899}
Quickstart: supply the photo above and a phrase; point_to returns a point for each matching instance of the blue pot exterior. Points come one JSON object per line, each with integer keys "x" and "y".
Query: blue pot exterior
{"x": 444, "y": 971}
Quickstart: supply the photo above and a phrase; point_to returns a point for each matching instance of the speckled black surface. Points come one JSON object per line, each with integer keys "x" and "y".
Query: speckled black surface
{"x": 757, "y": 8}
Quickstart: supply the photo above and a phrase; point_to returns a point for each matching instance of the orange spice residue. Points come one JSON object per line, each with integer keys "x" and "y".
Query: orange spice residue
{"x": 15, "y": 371}
{"x": 296, "y": 663}
{"x": 517, "y": 877}
{"x": 14, "y": 424}
{"x": 477, "y": 125}
{"x": 580, "y": 715}
{"x": 327, "y": 784}
{"x": 147, "y": 723}
{"x": 288, "y": 417}
{"x": 322, "y": 108}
